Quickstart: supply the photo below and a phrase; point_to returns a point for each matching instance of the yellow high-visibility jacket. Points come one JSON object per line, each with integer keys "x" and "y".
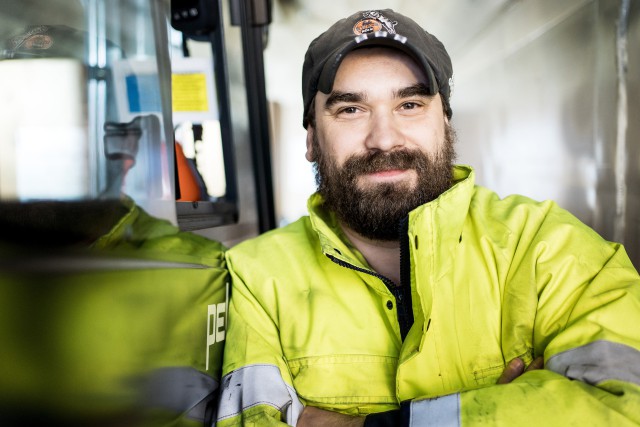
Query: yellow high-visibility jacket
{"x": 129, "y": 331}
{"x": 491, "y": 279}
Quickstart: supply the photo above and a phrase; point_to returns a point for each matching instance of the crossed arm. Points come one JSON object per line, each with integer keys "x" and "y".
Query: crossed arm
{"x": 314, "y": 417}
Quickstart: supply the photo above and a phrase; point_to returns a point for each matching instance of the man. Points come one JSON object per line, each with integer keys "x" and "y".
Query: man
{"x": 409, "y": 295}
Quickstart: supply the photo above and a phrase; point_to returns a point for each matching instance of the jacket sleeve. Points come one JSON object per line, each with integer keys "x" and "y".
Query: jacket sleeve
{"x": 587, "y": 327}
{"x": 256, "y": 385}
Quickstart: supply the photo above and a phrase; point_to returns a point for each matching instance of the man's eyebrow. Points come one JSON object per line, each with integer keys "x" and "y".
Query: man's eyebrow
{"x": 418, "y": 89}
{"x": 337, "y": 97}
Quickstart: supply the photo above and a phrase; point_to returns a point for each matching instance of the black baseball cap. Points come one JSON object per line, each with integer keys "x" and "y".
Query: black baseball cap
{"x": 374, "y": 28}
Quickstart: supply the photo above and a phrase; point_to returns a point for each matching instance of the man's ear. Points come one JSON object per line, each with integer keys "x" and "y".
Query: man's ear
{"x": 310, "y": 155}
{"x": 444, "y": 109}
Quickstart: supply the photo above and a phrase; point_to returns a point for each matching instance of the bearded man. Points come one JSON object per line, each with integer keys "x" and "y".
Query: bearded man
{"x": 410, "y": 295}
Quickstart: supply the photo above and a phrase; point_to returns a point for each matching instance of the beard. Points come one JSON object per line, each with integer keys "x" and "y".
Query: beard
{"x": 375, "y": 211}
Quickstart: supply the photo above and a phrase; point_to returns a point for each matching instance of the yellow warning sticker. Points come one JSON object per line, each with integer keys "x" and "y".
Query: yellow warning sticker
{"x": 189, "y": 92}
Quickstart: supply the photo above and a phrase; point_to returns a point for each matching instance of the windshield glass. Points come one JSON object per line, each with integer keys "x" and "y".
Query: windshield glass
{"x": 83, "y": 115}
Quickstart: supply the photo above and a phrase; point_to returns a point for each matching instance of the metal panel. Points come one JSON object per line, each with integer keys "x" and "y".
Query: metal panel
{"x": 632, "y": 231}
{"x": 541, "y": 106}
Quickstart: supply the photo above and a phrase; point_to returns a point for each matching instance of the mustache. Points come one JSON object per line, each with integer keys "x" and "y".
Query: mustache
{"x": 380, "y": 161}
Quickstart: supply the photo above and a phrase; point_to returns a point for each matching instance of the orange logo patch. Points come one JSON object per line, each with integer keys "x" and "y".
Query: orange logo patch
{"x": 39, "y": 41}
{"x": 367, "y": 26}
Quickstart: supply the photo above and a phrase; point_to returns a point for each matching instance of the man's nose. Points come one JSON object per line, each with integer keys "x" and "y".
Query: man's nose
{"x": 385, "y": 132}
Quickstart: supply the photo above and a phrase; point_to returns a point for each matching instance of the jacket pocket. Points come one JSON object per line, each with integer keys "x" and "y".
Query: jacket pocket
{"x": 348, "y": 383}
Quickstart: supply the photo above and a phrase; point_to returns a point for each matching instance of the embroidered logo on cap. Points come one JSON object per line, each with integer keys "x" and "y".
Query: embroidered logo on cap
{"x": 35, "y": 38}
{"x": 372, "y": 22}
{"x": 40, "y": 41}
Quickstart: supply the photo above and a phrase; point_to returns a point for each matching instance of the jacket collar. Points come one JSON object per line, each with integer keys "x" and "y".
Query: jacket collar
{"x": 438, "y": 225}
{"x": 122, "y": 228}
{"x": 442, "y": 219}
{"x": 333, "y": 241}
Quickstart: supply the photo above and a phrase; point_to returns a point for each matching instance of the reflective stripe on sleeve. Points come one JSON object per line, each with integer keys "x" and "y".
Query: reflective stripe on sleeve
{"x": 258, "y": 385}
{"x": 89, "y": 264}
{"x": 598, "y": 361}
{"x": 181, "y": 390}
{"x": 442, "y": 411}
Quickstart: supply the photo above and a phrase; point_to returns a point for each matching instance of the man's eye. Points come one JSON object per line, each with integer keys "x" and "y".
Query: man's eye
{"x": 348, "y": 110}
{"x": 410, "y": 105}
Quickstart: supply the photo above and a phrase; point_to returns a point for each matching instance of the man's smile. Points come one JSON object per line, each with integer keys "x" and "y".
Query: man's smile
{"x": 388, "y": 175}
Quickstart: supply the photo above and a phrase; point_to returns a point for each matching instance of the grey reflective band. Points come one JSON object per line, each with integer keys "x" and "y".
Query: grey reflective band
{"x": 442, "y": 412}
{"x": 82, "y": 264}
{"x": 598, "y": 361}
{"x": 258, "y": 385}
{"x": 181, "y": 390}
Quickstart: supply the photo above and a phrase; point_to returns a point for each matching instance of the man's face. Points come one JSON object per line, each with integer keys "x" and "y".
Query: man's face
{"x": 383, "y": 146}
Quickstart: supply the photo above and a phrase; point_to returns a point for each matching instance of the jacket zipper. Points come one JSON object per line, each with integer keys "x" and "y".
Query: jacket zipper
{"x": 402, "y": 294}
{"x": 405, "y": 272}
